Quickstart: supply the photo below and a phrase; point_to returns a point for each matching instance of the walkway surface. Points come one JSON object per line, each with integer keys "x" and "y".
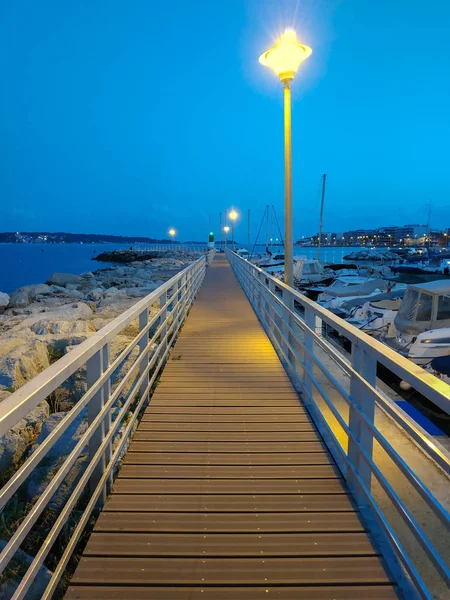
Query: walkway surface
{"x": 227, "y": 491}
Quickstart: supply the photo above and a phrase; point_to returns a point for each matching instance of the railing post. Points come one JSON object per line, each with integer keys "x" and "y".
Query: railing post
{"x": 95, "y": 368}
{"x": 313, "y": 323}
{"x": 143, "y": 347}
{"x": 163, "y": 320}
{"x": 361, "y": 398}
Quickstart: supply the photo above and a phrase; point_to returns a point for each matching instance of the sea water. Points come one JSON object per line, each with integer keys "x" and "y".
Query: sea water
{"x": 24, "y": 264}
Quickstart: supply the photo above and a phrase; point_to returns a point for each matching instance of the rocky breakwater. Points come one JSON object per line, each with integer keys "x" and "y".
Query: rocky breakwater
{"x": 41, "y": 322}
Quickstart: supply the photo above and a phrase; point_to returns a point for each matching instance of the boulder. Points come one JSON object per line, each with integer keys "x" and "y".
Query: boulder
{"x": 24, "y": 295}
{"x": 96, "y": 293}
{"x": 79, "y": 327}
{"x": 40, "y": 478}
{"x": 16, "y": 441}
{"x": 68, "y": 439}
{"x": 22, "y": 362}
{"x": 114, "y": 292}
{"x": 64, "y": 278}
{"x": 140, "y": 292}
{"x": 98, "y": 322}
{"x": 18, "y": 299}
{"x": 4, "y": 300}
{"x": 77, "y": 310}
{"x": 144, "y": 274}
{"x": 16, "y": 570}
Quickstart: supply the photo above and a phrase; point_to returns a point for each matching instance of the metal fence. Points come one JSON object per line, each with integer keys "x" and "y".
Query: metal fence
{"x": 409, "y": 524}
{"x": 112, "y": 405}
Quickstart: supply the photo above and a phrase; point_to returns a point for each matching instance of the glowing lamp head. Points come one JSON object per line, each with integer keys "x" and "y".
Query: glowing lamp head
{"x": 226, "y": 229}
{"x": 233, "y": 215}
{"x": 286, "y": 56}
{"x": 172, "y": 232}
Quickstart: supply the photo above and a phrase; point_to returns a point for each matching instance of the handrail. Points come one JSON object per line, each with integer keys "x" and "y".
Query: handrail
{"x": 154, "y": 341}
{"x": 294, "y": 324}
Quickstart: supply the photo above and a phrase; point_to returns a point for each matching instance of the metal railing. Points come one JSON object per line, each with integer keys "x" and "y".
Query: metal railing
{"x": 112, "y": 405}
{"x": 351, "y": 413}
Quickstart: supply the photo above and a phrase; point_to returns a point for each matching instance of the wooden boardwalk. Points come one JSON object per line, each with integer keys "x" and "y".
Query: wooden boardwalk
{"x": 227, "y": 491}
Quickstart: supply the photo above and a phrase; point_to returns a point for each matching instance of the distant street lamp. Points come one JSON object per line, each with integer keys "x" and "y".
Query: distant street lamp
{"x": 227, "y": 231}
{"x": 285, "y": 59}
{"x": 233, "y": 216}
{"x": 172, "y": 234}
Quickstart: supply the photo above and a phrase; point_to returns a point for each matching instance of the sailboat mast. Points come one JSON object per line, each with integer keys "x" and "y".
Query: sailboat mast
{"x": 429, "y": 226}
{"x": 249, "y": 249}
{"x": 267, "y": 227}
{"x": 324, "y": 181}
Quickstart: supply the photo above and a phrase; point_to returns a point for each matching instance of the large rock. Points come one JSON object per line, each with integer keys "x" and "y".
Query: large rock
{"x": 144, "y": 274}
{"x": 21, "y": 362}
{"x": 96, "y": 293}
{"x": 140, "y": 292}
{"x": 24, "y": 295}
{"x": 40, "y": 478}
{"x": 16, "y": 441}
{"x": 18, "y": 299}
{"x": 79, "y": 327}
{"x": 64, "y": 278}
{"x": 16, "y": 570}
{"x": 4, "y": 300}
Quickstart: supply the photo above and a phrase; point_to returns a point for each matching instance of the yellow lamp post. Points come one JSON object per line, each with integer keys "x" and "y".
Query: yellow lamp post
{"x": 227, "y": 230}
{"x": 285, "y": 59}
{"x": 233, "y": 216}
{"x": 172, "y": 234}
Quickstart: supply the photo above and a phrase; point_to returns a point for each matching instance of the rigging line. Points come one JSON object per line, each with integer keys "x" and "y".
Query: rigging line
{"x": 259, "y": 231}
{"x": 278, "y": 225}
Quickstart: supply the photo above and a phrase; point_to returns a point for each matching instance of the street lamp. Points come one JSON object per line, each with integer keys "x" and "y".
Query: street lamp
{"x": 233, "y": 216}
{"x": 285, "y": 59}
{"x": 172, "y": 234}
{"x": 227, "y": 230}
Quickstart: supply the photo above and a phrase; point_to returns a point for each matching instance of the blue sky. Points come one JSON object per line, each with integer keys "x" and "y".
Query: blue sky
{"x": 131, "y": 117}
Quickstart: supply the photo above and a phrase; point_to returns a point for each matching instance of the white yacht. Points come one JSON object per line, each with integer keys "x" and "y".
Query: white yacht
{"x": 243, "y": 253}
{"x": 421, "y": 328}
{"x": 350, "y": 287}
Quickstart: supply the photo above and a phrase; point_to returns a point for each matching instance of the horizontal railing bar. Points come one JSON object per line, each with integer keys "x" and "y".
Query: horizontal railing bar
{"x": 24, "y": 400}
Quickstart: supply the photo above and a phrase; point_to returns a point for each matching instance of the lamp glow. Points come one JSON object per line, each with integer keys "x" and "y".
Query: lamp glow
{"x": 286, "y": 56}
{"x": 226, "y": 229}
{"x": 172, "y": 232}
{"x": 233, "y": 215}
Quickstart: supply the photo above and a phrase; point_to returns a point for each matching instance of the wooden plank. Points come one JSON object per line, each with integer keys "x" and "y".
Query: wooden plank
{"x": 224, "y": 447}
{"x": 190, "y": 458}
{"x": 239, "y": 571}
{"x": 224, "y": 436}
{"x": 211, "y": 472}
{"x": 125, "y": 485}
{"x": 157, "y": 501}
{"x": 257, "y": 522}
{"x": 241, "y": 409}
{"x": 263, "y": 418}
{"x": 233, "y": 427}
{"x": 372, "y": 592}
{"x": 212, "y": 400}
{"x": 229, "y": 544}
